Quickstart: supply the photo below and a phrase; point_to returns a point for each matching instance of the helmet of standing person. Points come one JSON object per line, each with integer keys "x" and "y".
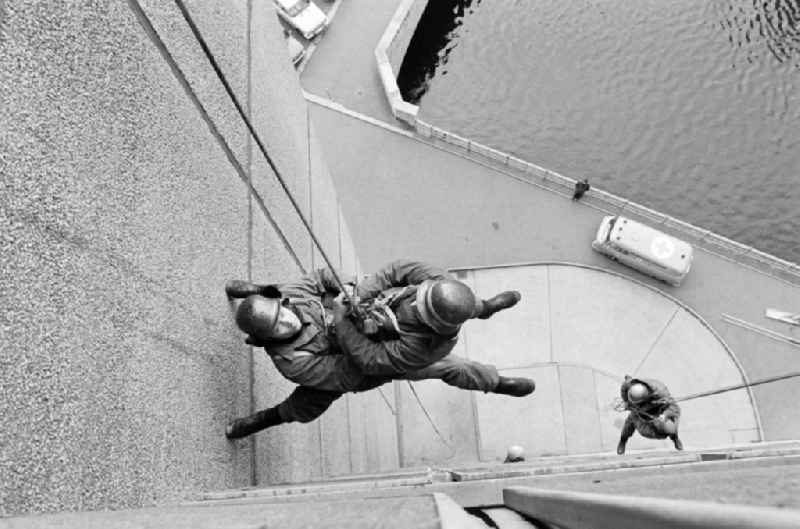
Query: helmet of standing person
{"x": 445, "y": 304}
{"x": 638, "y": 392}
{"x": 258, "y": 315}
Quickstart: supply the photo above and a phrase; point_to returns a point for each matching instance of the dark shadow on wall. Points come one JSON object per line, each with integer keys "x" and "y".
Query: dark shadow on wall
{"x": 435, "y": 37}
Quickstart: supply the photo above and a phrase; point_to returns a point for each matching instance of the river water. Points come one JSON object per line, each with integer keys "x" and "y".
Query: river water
{"x": 690, "y": 107}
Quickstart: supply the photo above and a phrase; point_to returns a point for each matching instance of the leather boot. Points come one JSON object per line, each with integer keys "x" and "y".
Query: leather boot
{"x": 515, "y": 386}
{"x": 251, "y": 424}
{"x": 501, "y": 301}
{"x": 237, "y": 288}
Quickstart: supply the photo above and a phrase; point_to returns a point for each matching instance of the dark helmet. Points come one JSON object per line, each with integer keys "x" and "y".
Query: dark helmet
{"x": 258, "y": 315}
{"x": 638, "y": 392}
{"x": 445, "y": 304}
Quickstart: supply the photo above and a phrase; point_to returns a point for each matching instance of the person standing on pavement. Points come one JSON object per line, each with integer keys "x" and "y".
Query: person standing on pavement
{"x": 581, "y": 187}
{"x": 419, "y": 310}
{"x": 653, "y": 411}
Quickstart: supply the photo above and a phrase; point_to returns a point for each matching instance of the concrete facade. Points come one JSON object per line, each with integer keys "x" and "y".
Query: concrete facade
{"x": 125, "y": 205}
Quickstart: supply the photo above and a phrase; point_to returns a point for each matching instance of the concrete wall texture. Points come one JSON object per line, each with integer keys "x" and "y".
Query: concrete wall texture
{"x": 122, "y": 213}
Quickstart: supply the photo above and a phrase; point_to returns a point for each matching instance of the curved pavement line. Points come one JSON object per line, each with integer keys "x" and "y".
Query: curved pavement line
{"x": 674, "y": 300}
{"x": 681, "y": 304}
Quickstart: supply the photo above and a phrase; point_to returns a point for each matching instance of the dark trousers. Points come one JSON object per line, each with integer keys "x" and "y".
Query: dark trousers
{"x": 307, "y": 403}
{"x": 645, "y": 428}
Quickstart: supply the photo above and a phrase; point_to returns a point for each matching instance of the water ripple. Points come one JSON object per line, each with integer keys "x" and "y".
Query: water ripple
{"x": 689, "y": 107}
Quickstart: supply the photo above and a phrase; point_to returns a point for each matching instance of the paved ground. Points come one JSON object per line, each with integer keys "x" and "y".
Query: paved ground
{"x": 625, "y": 328}
{"x": 396, "y": 186}
{"x": 474, "y": 215}
{"x": 390, "y": 513}
{"x": 342, "y": 67}
{"x": 773, "y": 483}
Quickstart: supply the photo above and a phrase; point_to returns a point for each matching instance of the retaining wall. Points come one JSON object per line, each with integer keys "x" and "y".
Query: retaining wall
{"x": 390, "y": 52}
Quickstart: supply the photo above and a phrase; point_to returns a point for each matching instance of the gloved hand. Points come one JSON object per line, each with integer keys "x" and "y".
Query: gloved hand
{"x": 350, "y": 286}
{"x": 667, "y": 425}
{"x": 340, "y": 308}
{"x": 255, "y": 342}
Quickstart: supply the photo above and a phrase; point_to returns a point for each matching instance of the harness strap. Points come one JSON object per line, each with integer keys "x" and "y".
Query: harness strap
{"x": 384, "y": 305}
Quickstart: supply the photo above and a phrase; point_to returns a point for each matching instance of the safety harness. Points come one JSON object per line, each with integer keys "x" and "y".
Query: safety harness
{"x": 376, "y": 318}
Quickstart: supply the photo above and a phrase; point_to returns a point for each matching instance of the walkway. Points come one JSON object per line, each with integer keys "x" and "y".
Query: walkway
{"x": 342, "y": 67}
{"x": 403, "y": 196}
{"x": 624, "y": 326}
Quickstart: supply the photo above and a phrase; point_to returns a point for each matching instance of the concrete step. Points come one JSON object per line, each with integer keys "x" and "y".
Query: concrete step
{"x": 482, "y": 485}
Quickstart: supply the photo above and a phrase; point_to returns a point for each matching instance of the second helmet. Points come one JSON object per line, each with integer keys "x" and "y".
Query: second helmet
{"x": 445, "y": 304}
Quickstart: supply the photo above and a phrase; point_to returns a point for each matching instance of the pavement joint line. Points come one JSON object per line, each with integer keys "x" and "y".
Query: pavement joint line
{"x": 656, "y": 340}
{"x": 673, "y": 299}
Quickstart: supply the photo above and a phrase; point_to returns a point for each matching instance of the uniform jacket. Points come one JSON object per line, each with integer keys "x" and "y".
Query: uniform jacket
{"x": 417, "y": 345}
{"x": 660, "y": 401}
{"x": 312, "y": 357}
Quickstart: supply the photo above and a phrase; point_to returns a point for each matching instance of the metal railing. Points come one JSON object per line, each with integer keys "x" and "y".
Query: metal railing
{"x": 706, "y": 239}
{"x": 612, "y": 204}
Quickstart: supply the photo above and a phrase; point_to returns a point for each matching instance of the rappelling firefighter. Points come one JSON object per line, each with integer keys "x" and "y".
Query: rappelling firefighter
{"x": 652, "y": 411}
{"x": 400, "y": 323}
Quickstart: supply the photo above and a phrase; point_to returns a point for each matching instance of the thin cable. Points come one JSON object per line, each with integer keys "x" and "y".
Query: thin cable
{"x": 144, "y": 20}
{"x": 223, "y": 79}
{"x": 619, "y": 405}
{"x": 738, "y": 386}
{"x": 386, "y": 400}
{"x": 430, "y": 420}
{"x": 210, "y": 56}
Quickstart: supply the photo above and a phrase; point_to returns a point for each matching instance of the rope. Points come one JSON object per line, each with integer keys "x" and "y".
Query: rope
{"x": 619, "y": 404}
{"x": 224, "y": 80}
{"x": 386, "y": 400}
{"x": 181, "y": 77}
{"x": 430, "y": 420}
{"x": 738, "y": 386}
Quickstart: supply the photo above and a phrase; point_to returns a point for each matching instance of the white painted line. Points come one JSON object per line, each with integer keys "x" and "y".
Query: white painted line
{"x": 760, "y": 330}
